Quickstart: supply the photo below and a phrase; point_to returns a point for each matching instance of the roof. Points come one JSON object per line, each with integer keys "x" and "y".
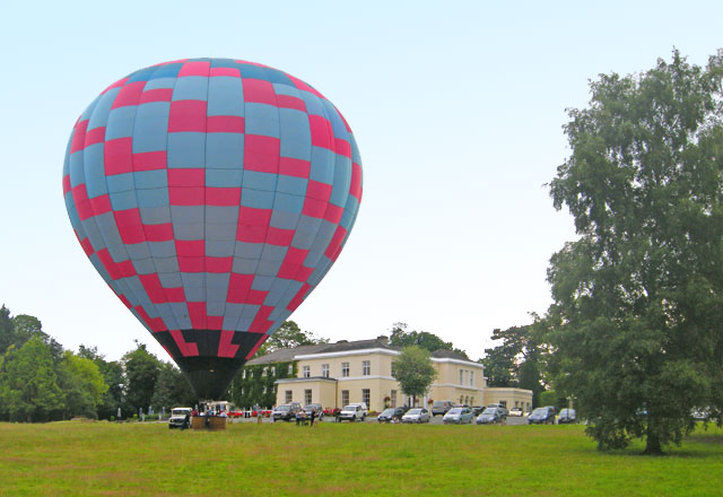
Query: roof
{"x": 285, "y": 355}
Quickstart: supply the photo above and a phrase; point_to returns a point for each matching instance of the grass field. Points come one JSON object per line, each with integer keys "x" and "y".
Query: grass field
{"x": 84, "y": 458}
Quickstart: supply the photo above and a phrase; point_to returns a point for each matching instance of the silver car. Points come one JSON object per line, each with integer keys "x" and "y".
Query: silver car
{"x": 416, "y": 415}
{"x": 458, "y": 415}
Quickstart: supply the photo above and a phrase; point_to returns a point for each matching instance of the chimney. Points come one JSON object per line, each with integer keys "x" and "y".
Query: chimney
{"x": 383, "y": 338}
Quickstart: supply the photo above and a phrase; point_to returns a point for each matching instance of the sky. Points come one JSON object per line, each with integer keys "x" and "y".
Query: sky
{"x": 457, "y": 107}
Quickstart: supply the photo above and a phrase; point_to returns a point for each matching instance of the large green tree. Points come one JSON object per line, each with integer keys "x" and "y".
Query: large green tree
{"x": 638, "y": 297}
{"x": 141, "y": 371}
{"x": 171, "y": 389}
{"x": 82, "y": 384}
{"x": 414, "y": 371}
{"x": 112, "y": 372}
{"x": 29, "y": 388}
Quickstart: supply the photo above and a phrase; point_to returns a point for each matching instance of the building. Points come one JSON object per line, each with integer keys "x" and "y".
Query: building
{"x": 361, "y": 371}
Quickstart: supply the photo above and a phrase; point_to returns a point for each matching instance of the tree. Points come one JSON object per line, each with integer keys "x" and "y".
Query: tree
{"x": 289, "y": 335}
{"x": 638, "y": 305}
{"x": 141, "y": 371}
{"x": 112, "y": 372}
{"x": 519, "y": 361}
{"x": 29, "y": 388}
{"x": 171, "y": 389}
{"x": 400, "y": 337}
{"x": 413, "y": 370}
{"x": 82, "y": 384}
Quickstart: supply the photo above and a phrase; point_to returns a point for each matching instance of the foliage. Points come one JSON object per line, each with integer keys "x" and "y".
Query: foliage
{"x": 414, "y": 371}
{"x": 288, "y": 335}
{"x": 520, "y": 360}
{"x": 638, "y": 298}
{"x": 141, "y": 371}
{"x": 29, "y": 388}
{"x": 401, "y": 338}
{"x": 255, "y": 384}
{"x": 82, "y": 384}
{"x": 112, "y": 372}
{"x": 171, "y": 389}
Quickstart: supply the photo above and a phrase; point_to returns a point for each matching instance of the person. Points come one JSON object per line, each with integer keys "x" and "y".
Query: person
{"x": 313, "y": 413}
{"x": 300, "y": 417}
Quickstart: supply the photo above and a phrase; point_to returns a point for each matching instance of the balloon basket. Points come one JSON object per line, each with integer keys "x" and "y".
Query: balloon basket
{"x": 210, "y": 423}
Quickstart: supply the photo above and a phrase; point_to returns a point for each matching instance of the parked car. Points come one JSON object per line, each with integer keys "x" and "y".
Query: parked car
{"x": 315, "y": 408}
{"x": 491, "y": 415}
{"x": 500, "y": 406}
{"x": 363, "y": 406}
{"x": 180, "y": 418}
{"x": 542, "y": 415}
{"x": 516, "y": 411}
{"x": 416, "y": 415}
{"x": 477, "y": 410}
{"x": 391, "y": 414}
{"x": 458, "y": 415}
{"x": 441, "y": 407}
{"x": 351, "y": 412}
{"x": 567, "y": 416}
{"x": 286, "y": 412}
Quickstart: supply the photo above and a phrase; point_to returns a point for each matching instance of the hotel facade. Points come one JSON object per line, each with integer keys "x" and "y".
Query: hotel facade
{"x": 361, "y": 371}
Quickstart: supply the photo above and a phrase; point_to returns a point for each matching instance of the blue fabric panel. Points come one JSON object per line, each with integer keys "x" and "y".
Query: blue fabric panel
{"x": 256, "y": 198}
{"x": 225, "y": 96}
{"x": 256, "y": 180}
{"x": 273, "y": 253}
{"x": 262, "y": 283}
{"x": 153, "y": 179}
{"x": 221, "y": 232}
{"x": 153, "y": 198}
{"x": 322, "y": 165}
{"x": 162, "y": 249}
{"x": 262, "y": 119}
{"x": 142, "y": 75}
{"x": 99, "y": 117}
{"x": 121, "y": 201}
{"x": 224, "y": 178}
{"x": 292, "y": 185}
{"x": 342, "y": 181}
{"x": 244, "y": 266}
{"x": 138, "y": 251}
{"x": 159, "y": 83}
{"x": 313, "y": 103}
{"x": 188, "y": 231}
{"x": 186, "y": 150}
{"x": 306, "y": 232}
{"x": 120, "y": 123}
{"x": 289, "y": 203}
{"x": 120, "y": 183}
{"x": 167, "y": 71}
{"x": 219, "y": 248}
{"x": 191, "y": 88}
{"x": 75, "y": 168}
{"x": 295, "y": 134}
{"x": 151, "y": 124}
{"x": 248, "y": 250}
{"x": 337, "y": 124}
{"x": 144, "y": 266}
{"x": 166, "y": 264}
{"x": 284, "y": 219}
{"x": 225, "y": 151}
{"x": 187, "y": 214}
{"x": 170, "y": 280}
{"x": 94, "y": 170}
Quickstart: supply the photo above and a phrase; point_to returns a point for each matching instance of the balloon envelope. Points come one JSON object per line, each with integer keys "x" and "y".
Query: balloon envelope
{"x": 212, "y": 195}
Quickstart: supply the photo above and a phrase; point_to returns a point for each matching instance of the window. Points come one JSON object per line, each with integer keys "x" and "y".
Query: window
{"x": 273, "y": 370}
{"x": 307, "y": 371}
{"x": 344, "y": 397}
{"x": 466, "y": 400}
{"x": 366, "y": 397}
{"x": 263, "y": 372}
{"x": 392, "y": 371}
{"x": 393, "y": 398}
{"x": 344, "y": 371}
{"x": 291, "y": 369}
{"x": 243, "y": 374}
{"x": 503, "y": 403}
{"x": 288, "y": 396}
{"x": 471, "y": 401}
{"x": 325, "y": 370}
{"x": 366, "y": 368}
{"x": 461, "y": 378}
{"x": 471, "y": 378}
{"x": 307, "y": 396}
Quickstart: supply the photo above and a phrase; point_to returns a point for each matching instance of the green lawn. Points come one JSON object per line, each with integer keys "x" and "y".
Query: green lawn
{"x": 85, "y": 458}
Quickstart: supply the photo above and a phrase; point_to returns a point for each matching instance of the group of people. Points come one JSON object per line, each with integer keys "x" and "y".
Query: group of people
{"x": 302, "y": 418}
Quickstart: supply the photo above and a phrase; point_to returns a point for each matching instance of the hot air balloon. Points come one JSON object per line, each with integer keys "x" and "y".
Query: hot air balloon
{"x": 212, "y": 195}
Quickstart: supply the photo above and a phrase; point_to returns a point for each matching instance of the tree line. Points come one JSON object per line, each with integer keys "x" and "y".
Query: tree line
{"x": 41, "y": 381}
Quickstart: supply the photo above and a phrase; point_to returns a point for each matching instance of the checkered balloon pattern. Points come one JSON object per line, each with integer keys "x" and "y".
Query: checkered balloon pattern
{"x": 212, "y": 195}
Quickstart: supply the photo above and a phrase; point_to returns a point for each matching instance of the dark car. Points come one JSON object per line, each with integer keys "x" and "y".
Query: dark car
{"x": 542, "y": 415}
{"x": 286, "y": 412}
{"x": 477, "y": 410}
{"x": 441, "y": 407}
{"x": 391, "y": 414}
{"x": 491, "y": 415}
{"x": 567, "y": 416}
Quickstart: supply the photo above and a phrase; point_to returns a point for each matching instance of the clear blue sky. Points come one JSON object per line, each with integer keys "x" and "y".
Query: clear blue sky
{"x": 457, "y": 108}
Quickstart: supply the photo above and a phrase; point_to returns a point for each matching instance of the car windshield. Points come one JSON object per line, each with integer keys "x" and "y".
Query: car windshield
{"x": 456, "y": 410}
{"x": 349, "y": 408}
{"x": 180, "y": 412}
{"x": 387, "y": 412}
{"x": 540, "y": 411}
{"x": 490, "y": 410}
{"x": 415, "y": 411}
{"x": 283, "y": 408}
